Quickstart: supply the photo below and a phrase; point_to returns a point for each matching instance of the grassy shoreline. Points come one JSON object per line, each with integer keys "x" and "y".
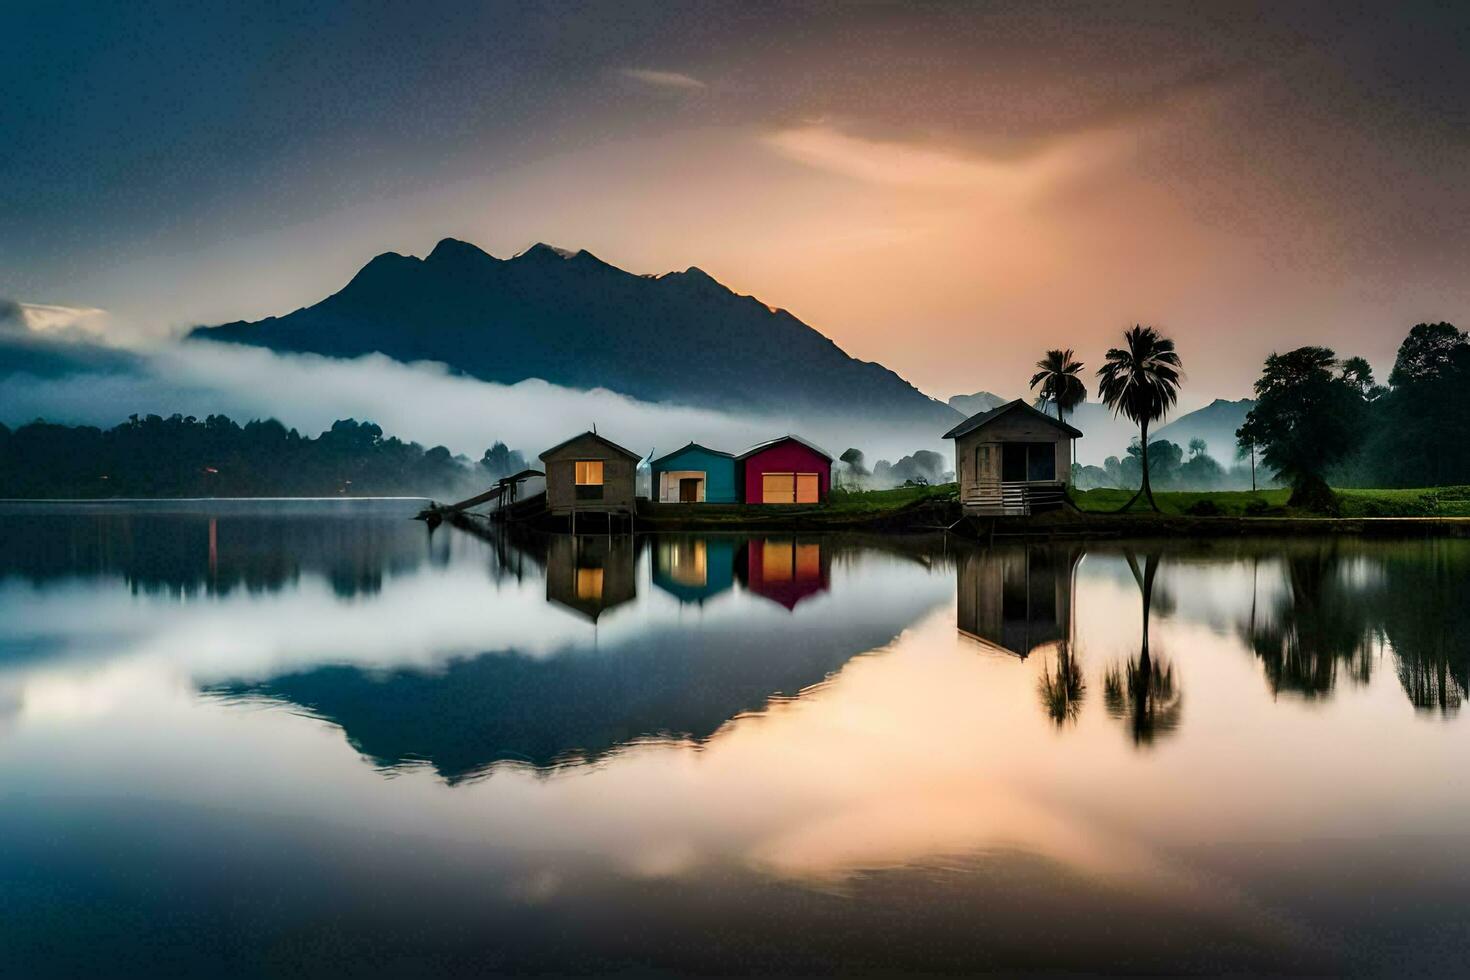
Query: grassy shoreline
{"x": 1444, "y": 510}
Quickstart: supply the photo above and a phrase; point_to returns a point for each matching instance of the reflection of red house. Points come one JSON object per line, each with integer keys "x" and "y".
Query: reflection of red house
{"x": 784, "y": 570}
{"x": 788, "y": 470}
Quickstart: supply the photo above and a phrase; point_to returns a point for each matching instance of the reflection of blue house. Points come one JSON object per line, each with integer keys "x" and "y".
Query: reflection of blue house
{"x": 694, "y": 475}
{"x": 693, "y": 569}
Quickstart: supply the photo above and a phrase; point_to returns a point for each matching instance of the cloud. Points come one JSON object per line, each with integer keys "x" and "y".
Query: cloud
{"x": 929, "y": 166}
{"x": 673, "y": 80}
{"x": 51, "y": 321}
{"x": 424, "y": 401}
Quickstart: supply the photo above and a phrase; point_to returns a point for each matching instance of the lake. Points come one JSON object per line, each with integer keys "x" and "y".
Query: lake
{"x": 271, "y": 737}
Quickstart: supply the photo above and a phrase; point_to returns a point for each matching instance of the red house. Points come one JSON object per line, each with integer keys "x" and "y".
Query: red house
{"x": 788, "y": 470}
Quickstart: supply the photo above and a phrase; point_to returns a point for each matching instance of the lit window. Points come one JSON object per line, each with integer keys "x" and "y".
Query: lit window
{"x": 589, "y": 583}
{"x": 589, "y": 472}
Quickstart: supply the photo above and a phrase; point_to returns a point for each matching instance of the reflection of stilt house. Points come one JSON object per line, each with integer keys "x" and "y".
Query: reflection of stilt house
{"x": 784, "y": 570}
{"x": 592, "y": 573}
{"x": 1016, "y": 599}
{"x": 693, "y": 569}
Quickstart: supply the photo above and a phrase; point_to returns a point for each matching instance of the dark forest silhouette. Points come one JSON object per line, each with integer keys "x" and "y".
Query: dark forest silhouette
{"x": 183, "y": 456}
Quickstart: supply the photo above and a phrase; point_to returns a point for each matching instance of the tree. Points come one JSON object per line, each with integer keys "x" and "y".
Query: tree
{"x": 1197, "y": 447}
{"x": 1059, "y": 382}
{"x": 1425, "y": 353}
{"x": 1140, "y": 380}
{"x": 1058, "y": 378}
{"x": 1164, "y": 461}
{"x": 856, "y": 462}
{"x": 1306, "y": 419}
{"x": 502, "y": 461}
{"x": 1417, "y": 425}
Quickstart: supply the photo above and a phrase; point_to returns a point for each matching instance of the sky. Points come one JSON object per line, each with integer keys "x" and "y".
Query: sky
{"x": 948, "y": 189}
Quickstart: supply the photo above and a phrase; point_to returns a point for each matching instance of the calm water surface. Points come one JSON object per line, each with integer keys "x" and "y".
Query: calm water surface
{"x": 258, "y": 738}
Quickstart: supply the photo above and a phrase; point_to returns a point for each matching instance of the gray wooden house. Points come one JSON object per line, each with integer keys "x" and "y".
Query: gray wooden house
{"x": 1012, "y": 459}
{"x": 590, "y": 474}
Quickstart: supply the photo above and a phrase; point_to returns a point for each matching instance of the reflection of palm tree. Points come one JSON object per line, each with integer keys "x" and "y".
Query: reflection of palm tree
{"x": 1144, "y": 691}
{"x": 1062, "y": 689}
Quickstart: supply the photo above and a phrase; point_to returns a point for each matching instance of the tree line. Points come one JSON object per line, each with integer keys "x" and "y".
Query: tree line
{"x": 1319, "y": 420}
{"x": 184, "y": 456}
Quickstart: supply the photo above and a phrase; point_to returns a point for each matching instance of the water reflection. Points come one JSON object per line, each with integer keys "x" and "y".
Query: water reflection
{"x": 1321, "y": 621}
{"x": 714, "y": 727}
{"x": 590, "y": 574}
{"x": 785, "y": 570}
{"x": 694, "y": 568}
{"x": 1017, "y": 599}
{"x": 667, "y": 680}
{"x": 1143, "y": 691}
{"x": 187, "y": 548}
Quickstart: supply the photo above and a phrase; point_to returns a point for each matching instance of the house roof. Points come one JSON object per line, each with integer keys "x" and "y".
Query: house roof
{"x": 582, "y": 435}
{"x": 522, "y": 475}
{"x": 985, "y": 418}
{"x": 760, "y": 446}
{"x": 692, "y": 445}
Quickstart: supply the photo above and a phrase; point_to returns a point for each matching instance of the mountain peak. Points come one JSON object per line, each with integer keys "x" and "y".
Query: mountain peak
{"x": 452, "y": 249}
{"x": 543, "y": 252}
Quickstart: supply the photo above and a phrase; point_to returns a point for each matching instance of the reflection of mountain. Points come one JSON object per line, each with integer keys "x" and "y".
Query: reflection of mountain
{"x": 671, "y": 679}
{"x": 785, "y": 570}
{"x": 1017, "y": 598}
{"x": 693, "y": 569}
{"x": 203, "y": 547}
{"x": 591, "y": 574}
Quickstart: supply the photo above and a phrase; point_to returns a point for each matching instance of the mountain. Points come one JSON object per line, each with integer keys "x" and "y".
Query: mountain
{"x": 571, "y": 319}
{"x": 980, "y": 401}
{"x": 1215, "y": 424}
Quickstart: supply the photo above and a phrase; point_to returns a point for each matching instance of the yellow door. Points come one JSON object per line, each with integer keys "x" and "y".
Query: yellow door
{"x": 778, "y": 488}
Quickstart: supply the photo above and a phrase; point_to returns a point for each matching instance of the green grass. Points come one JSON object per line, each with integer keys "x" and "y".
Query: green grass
{"x": 1427, "y": 502}
{"x": 1430, "y": 502}
{"x": 1231, "y": 503}
{"x": 861, "y": 502}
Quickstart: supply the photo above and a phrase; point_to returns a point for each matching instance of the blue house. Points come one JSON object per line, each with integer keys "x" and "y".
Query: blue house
{"x": 694, "y": 475}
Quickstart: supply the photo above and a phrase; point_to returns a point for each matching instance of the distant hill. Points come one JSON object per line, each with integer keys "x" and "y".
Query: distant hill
{"x": 1215, "y": 424}
{"x": 571, "y": 319}
{"x": 980, "y": 401}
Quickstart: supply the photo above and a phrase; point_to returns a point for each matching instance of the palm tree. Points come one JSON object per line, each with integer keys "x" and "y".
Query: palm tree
{"x": 1060, "y": 385}
{"x": 1059, "y": 381}
{"x": 1141, "y": 381}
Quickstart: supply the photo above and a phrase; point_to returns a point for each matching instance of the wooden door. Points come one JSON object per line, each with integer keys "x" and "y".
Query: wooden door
{"x": 778, "y": 488}
{"x": 689, "y": 490}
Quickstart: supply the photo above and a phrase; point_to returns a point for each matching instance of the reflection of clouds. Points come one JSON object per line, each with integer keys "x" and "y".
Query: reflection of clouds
{"x": 915, "y": 753}
{"x": 420, "y": 620}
